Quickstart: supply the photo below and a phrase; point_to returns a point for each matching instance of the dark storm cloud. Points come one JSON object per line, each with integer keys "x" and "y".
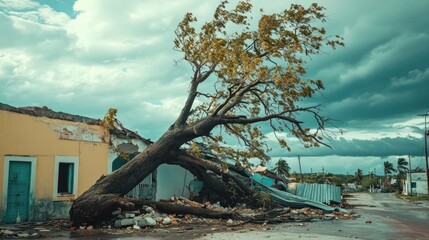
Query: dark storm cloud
{"x": 382, "y": 71}
{"x": 383, "y": 147}
{"x": 381, "y": 77}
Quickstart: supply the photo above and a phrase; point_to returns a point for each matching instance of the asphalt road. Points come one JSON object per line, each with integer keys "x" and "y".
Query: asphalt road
{"x": 382, "y": 216}
{"x": 407, "y": 220}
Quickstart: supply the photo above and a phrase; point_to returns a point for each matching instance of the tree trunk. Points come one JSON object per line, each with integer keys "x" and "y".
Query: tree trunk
{"x": 96, "y": 204}
{"x": 231, "y": 187}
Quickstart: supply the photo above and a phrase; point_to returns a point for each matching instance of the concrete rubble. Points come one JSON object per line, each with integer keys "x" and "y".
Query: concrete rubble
{"x": 148, "y": 217}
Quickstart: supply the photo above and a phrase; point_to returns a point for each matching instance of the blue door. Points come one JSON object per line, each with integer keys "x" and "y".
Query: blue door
{"x": 18, "y": 191}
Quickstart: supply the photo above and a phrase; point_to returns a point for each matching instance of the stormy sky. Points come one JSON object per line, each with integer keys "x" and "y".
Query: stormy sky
{"x": 83, "y": 57}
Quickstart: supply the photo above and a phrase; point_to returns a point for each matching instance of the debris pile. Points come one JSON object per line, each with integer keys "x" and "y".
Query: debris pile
{"x": 145, "y": 217}
{"x": 149, "y": 217}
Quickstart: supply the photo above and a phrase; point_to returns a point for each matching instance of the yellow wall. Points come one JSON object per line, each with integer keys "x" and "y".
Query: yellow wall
{"x": 1, "y": 171}
{"x": 90, "y": 166}
{"x": 45, "y": 138}
{"x": 44, "y": 176}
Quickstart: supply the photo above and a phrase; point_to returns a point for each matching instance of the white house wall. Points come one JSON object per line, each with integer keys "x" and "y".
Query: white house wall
{"x": 172, "y": 180}
{"x": 421, "y": 184}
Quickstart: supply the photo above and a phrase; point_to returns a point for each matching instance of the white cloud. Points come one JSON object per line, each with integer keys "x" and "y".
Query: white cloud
{"x": 14, "y": 4}
{"x": 56, "y": 59}
{"x": 413, "y": 122}
{"x": 415, "y": 76}
{"x": 114, "y": 28}
{"x": 34, "y": 12}
{"x": 272, "y": 136}
{"x": 376, "y": 135}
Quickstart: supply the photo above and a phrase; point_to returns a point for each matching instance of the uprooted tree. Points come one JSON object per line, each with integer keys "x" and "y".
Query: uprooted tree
{"x": 243, "y": 75}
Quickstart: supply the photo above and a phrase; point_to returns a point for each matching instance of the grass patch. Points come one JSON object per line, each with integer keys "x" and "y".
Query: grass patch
{"x": 413, "y": 198}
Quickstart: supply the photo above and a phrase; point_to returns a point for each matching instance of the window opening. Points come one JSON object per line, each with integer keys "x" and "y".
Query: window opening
{"x": 65, "y": 178}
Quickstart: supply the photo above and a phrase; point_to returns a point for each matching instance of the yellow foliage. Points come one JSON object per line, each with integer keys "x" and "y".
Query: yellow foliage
{"x": 194, "y": 149}
{"x": 256, "y": 72}
{"x": 110, "y": 118}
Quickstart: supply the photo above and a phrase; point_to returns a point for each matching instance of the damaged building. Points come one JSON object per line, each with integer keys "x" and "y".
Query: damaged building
{"x": 415, "y": 184}
{"x": 48, "y": 158}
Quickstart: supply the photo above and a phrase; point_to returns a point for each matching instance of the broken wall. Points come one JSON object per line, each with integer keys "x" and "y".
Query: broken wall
{"x": 166, "y": 181}
{"x": 129, "y": 147}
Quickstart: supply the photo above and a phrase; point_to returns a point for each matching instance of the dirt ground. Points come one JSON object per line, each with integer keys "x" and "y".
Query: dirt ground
{"x": 61, "y": 230}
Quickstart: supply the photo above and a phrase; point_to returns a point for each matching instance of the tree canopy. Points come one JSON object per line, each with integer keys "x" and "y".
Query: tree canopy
{"x": 282, "y": 168}
{"x": 358, "y": 176}
{"x": 402, "y": 167}
{"x": 244, "y": 75}
{"x": 388, "y": 168}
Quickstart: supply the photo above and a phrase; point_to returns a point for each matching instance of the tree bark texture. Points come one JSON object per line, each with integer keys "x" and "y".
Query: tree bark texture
{"x": 96, "y": 204}
{"x": 231, "y": 187}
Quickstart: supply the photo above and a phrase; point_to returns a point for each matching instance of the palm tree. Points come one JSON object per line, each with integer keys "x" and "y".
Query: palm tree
{"x": 402, "y": 166}
{"x": 358, "y": 176}
{"x": 388, "y": 168}
{"x": 282, "y": 167}
{"x": 402, "y": 170}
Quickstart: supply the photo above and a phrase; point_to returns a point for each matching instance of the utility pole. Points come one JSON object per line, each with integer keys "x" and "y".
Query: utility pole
{"x": 300, "y": 171}
{"x": 426, "y": 148}
{"x": 347, "y": 179}
{"x": 411, "y": 180}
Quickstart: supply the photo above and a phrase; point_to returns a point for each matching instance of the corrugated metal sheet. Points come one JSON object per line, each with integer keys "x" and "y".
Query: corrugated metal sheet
{"x": 284, "y": 198}
{"x": 290, "y": 200}
{"x": 324, "y": 193}
{"x": 267, "y": 181}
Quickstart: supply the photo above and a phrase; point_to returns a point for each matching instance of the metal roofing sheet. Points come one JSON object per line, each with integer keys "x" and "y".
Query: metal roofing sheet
{"x": 290, "y": 200}
{"x": 325, "y": 193}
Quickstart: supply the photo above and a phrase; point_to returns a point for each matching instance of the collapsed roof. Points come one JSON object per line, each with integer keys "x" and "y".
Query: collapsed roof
{"x": 44, "y": 111}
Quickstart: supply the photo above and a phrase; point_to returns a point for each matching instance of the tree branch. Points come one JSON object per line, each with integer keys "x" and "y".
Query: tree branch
{"x": 196, "y": 80}
{"x": 280, "y": 116}
{"x": 234, "y": 100}
{"x": 230, "y": 96}
{"x": 182, "y": 156}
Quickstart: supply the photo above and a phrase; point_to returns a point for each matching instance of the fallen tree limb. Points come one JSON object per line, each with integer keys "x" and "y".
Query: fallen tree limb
{"x": 108, "y": 203}
{"x": 171, "y": 208}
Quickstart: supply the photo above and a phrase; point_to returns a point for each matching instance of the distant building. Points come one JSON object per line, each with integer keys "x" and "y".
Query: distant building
{"x": 419, "y": 184}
